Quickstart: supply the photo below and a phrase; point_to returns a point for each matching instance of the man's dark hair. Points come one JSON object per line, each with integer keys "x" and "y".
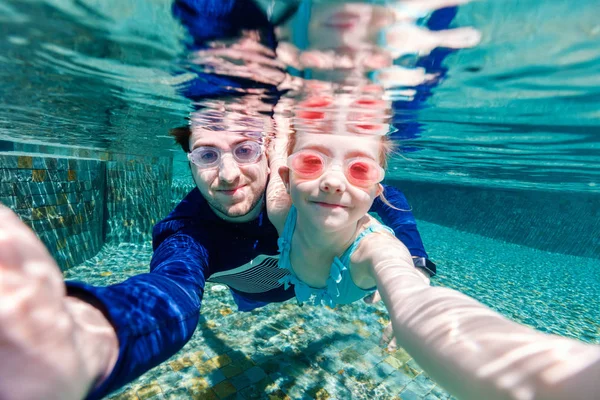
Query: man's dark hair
{"x": 182, "y": 136}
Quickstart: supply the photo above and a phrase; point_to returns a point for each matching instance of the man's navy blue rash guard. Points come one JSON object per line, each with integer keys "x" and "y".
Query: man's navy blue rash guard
{"x": 155, "y": 314}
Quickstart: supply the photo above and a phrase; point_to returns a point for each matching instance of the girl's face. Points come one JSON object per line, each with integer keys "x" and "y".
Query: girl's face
{"x": 346, "y": 25}
{"x": 330, "y": 201}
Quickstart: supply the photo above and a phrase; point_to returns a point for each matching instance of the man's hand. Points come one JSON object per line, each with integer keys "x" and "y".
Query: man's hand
{"x": 45, "y": 351}
{"x": 387, "y": 338}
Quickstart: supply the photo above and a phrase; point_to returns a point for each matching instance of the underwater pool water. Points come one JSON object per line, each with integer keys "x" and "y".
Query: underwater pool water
{"x": 500, "y": 161}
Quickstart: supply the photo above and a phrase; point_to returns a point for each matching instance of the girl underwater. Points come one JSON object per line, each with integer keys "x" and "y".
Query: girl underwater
{"x": 323, "y": 183}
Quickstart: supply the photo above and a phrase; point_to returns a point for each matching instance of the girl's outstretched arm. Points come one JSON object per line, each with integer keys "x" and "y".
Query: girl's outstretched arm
{"x": 471, "y": 350}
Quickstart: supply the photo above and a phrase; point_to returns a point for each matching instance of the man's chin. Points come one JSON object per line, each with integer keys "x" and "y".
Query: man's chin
{"x": 237, "y": 211}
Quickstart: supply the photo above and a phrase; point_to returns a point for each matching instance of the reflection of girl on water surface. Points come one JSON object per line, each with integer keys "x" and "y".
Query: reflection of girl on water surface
{"x": 336, "y": 254}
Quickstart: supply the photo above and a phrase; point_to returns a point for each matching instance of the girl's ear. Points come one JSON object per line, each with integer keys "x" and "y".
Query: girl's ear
{"x": 284, "y": 174}
{"x": 379, "y": 189}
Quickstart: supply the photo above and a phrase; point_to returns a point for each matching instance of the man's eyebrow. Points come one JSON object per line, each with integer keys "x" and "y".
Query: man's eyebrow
{"x": 209, "y": 143}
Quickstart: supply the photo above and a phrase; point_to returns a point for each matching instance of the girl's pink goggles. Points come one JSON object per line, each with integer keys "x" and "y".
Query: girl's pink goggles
{"x": 360, "y": 171}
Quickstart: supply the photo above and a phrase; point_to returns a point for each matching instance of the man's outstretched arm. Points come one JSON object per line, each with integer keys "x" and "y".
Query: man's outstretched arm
{"x": 153, "y": 314}
{"x": 401, "y": 219}
{"x": 63, "y": 344}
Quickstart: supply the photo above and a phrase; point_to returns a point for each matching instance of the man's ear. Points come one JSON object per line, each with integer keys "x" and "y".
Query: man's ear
{"x": 284, "y": 174}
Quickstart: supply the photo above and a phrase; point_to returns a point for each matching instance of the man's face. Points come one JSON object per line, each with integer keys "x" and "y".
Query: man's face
{"x": 233, "y": 191}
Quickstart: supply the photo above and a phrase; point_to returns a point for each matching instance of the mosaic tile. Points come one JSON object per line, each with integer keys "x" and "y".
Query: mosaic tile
{"x": 221, "y": 361}
{"x": 363, "y": 346}
{"x": 196, "y": 383}
{"x": 39, "y": 175}
{"x": 407, "y": 394}
{"x": 203, "y": 394}
{"x": 7, "y": 189}
{"x": 7, "y": 161}
{"x": 417, "y": 388}
{"x": 393, "y": 362}
{"x": 379, "y": 372}
{"x": 149, "y": 391}
{"x": 125, "y": 396}
{"x": 214, "y": 377}
{"x": 396, "y": 382}
{"x": 9, "y": 201}
{"x": 224, "y": 389}
{"x": 255, "y": 374}
{"x": 278, "y": 395}
{"x": 169, "y": 380}
{"x": 401, "y": 355}
{"x": 177, "y": 394}
{"x": 358, "y": 390}
{"x": 425, "y": 382}
{"x": 19, "y": 175}
{"x": 414, "y": 366}
{"x": 240, "y": 381}
{"x": 181, "y": 363}
{"x": 409, "y": 371}
{"x": 266, "y": 353}
{"x": 206, "y": 367}
{"x": 24, "y": 162}
{"x": 440, "y": 392}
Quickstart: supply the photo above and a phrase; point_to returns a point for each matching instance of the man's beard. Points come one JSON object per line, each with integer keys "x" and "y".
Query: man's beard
{"x": 226, "y": 211}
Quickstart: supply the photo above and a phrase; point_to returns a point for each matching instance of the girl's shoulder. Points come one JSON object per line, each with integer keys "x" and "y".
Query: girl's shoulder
{"x": 378, "y": 242}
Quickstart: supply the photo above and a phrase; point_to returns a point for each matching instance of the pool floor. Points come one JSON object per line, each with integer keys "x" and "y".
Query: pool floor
{"x": 287, "y": 351}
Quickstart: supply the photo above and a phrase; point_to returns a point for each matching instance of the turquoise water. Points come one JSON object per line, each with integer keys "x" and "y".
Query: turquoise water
{"x": 502, "y": 172}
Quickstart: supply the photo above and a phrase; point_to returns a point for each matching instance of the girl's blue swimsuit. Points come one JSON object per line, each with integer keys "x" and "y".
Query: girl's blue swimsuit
{"x": 340, "y": 288}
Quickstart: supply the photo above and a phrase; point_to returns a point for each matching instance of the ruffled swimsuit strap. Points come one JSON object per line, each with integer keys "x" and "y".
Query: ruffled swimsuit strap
{"x": 345, "y": 258}
{"x": 303, "y": 291}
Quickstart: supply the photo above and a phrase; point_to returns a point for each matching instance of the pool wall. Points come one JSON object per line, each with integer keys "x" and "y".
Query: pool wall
{"x": 61, "y": 199}
{"x": 554, "y": 221}
{"x": 76, "y": 205}
{"x": 138, "y": 194}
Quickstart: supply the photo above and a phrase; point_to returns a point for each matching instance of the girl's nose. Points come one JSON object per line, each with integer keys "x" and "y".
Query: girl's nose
{"x": 333, "y": 182}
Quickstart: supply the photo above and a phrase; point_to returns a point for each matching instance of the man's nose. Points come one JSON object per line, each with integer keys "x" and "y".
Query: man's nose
{"x": 333, "y": 181}
{"x": 229, "y": 170}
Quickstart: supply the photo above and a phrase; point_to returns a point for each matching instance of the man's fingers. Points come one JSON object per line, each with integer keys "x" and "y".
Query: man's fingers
{"x": 387, "y": 336}
{"x": 373, "y": 298}
{"x": 392, "y": 346}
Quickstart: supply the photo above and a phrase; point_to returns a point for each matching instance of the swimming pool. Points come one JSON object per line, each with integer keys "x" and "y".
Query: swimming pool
{"x": 503, "y": 182}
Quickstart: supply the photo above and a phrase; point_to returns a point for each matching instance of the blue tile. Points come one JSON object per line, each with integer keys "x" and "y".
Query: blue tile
{"x": 417, "y": 388}
{"x": 396, "y": 381}
{"x": 407, "y": 394}
{"x": 240, "y": 381}
{"x": 425, "y": 381}
{"x": 255, "y": 374}
{"x": 214, "y": 377}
